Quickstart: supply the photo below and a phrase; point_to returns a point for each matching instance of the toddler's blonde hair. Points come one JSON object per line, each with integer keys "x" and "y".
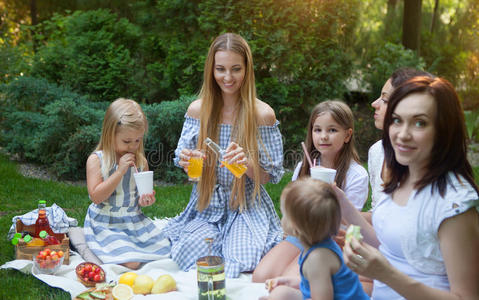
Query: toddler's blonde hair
{"x": 312, "y": 209}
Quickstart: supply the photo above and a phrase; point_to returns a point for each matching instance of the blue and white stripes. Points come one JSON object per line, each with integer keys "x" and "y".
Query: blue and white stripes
{"x": 117, "y": 231}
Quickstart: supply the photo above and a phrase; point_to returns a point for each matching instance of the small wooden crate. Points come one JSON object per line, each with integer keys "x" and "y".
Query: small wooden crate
{"x": 26, "y": 252}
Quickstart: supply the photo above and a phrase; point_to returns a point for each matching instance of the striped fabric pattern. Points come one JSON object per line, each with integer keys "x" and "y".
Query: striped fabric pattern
{"x": 241, "y": 238}
{"x": 117, "y": 231}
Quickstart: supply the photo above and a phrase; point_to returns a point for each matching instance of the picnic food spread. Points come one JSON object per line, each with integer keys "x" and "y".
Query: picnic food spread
{"x": 100, "y": 291}
{"x": 90, "y": 273}
{"x": 48, "y": 261}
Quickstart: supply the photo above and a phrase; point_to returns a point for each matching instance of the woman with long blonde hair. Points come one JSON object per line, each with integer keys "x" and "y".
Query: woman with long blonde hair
{"x": 236, "y": 212}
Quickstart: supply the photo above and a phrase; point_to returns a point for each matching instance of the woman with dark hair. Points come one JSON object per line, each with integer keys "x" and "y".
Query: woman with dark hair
{"x": 426, "y": 222}
{"x": 380, "y": 105}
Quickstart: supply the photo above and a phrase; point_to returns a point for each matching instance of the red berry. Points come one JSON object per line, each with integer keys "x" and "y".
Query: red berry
{"x": 85, "y": 279}
{"x": 97, "y": 270}
{"x": 97, "y": 278}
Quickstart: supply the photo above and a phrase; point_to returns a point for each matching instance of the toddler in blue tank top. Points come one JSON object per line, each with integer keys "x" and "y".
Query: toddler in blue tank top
{"x": 311, "y": 212}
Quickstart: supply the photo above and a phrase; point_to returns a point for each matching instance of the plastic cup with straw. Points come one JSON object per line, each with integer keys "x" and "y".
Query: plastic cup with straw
{"x": 144, "y": 181}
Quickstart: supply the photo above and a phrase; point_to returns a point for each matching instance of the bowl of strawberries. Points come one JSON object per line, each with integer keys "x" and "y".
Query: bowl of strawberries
{"x": 48, "y": 261}
{"x": 90, "y": 273}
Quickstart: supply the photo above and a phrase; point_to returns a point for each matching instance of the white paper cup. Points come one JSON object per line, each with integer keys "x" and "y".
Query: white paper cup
{"x": 144, "y": 182}
{"x": 323, "y": 174}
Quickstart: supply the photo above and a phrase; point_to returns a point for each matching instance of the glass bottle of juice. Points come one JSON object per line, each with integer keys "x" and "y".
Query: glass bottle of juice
{"x": 42, "y": 220}
{"x": 237, "y": 169}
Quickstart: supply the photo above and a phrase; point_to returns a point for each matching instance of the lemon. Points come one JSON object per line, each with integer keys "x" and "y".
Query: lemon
{"x": 143, "y": 284}
{"x": 122, "y": 292}
{"x": 128, "y": 278}
{"x": 164, "y": 284}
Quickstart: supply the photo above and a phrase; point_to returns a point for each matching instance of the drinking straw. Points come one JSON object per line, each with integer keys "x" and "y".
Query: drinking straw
{"x": 314, "y": 162}
{"x": 307, "y": 154}
{"x": 136, "y": 169}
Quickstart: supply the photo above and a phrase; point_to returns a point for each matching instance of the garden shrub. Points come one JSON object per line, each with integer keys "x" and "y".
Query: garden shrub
{"x": 64, "y": 130}
{"x": 386, "y": 60}
{"x": 165, "y": 121}
{"x": 31, "y": 94}
{"x": 92, "y": 52}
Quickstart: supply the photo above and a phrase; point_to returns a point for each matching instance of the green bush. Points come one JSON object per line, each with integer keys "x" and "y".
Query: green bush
{"x": 66, "y": 128}
{"x": 472, "y": 124}
{"x": 165, "y": 122}
{"x": 31, "y": 94}
{"x": 385, "y": 62}
{"x": 91, "y": 52}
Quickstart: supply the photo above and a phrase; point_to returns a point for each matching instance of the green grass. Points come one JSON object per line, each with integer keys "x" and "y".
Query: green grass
{"x": 19, "y": 195}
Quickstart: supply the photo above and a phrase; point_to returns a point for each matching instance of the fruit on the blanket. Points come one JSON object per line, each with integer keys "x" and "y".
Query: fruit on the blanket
{"x": 164, "y": 284}
{"x": 47, "y": 261}
{"x": 143, "y": 284}
{"x": 128, "y": 278}
{"x": 122, "y": 292}
{"x": 353, "y": 230}
{"x": 90, "y": 273}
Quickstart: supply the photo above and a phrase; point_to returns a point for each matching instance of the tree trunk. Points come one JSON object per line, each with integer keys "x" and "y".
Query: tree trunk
{"x": 33, "y": 16}
{"x": 390, "y": 17}
{"x": 434, "y": 16}
{"x": 411, "y": 25}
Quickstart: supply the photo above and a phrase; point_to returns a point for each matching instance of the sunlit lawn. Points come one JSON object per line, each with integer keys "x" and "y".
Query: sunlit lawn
{"x": 19, "y": 195}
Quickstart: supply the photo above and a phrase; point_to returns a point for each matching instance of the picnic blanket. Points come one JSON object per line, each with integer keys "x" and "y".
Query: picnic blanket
{"x": 65, "y": 278}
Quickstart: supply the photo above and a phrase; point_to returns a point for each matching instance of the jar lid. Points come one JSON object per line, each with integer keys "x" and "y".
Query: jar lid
{"x": 27, "y": 238}
{"x": 42, "y": 202}
{"x": 43, "y": 234}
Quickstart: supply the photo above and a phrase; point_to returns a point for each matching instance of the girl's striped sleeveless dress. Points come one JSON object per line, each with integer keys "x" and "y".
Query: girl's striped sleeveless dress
{"x": 117, "y": 231}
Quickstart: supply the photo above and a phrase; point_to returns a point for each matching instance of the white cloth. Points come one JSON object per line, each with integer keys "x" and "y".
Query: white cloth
{"x": 408, "y": 235}
{"x": 375, "y": 165}
{"x": 356, "y": 186}
{"x": 236, "y": 288}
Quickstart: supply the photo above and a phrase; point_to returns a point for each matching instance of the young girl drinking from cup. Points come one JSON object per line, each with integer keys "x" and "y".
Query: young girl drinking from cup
{"x": 311, "y": 212}
{"x": 115, "y": 228}
{"x": 330, "y": 143}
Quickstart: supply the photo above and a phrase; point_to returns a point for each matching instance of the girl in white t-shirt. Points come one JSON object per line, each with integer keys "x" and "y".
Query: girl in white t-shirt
{"x": 424, "y": 243}
{"x": 330, "y": 144}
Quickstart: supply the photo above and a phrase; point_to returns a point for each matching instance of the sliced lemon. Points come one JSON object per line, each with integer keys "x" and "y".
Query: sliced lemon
{"x": 122, "y": 292}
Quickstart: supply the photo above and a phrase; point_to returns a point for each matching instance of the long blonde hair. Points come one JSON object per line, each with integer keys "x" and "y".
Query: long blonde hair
{"x": 342, "y": 114}
{"x": 244, "y": 131}
{"x": 122, "y": 113}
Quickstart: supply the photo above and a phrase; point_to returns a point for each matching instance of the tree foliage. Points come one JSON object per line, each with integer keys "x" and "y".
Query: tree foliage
{"x": 90, "y": 52}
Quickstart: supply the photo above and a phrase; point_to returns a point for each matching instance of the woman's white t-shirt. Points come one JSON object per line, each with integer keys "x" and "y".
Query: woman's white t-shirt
{"x": 408, "y": 235}
{"x": 356, "y": 185}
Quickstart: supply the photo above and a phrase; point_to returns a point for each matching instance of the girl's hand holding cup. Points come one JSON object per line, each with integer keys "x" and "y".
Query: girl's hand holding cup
{"x": 147, "y": 199}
